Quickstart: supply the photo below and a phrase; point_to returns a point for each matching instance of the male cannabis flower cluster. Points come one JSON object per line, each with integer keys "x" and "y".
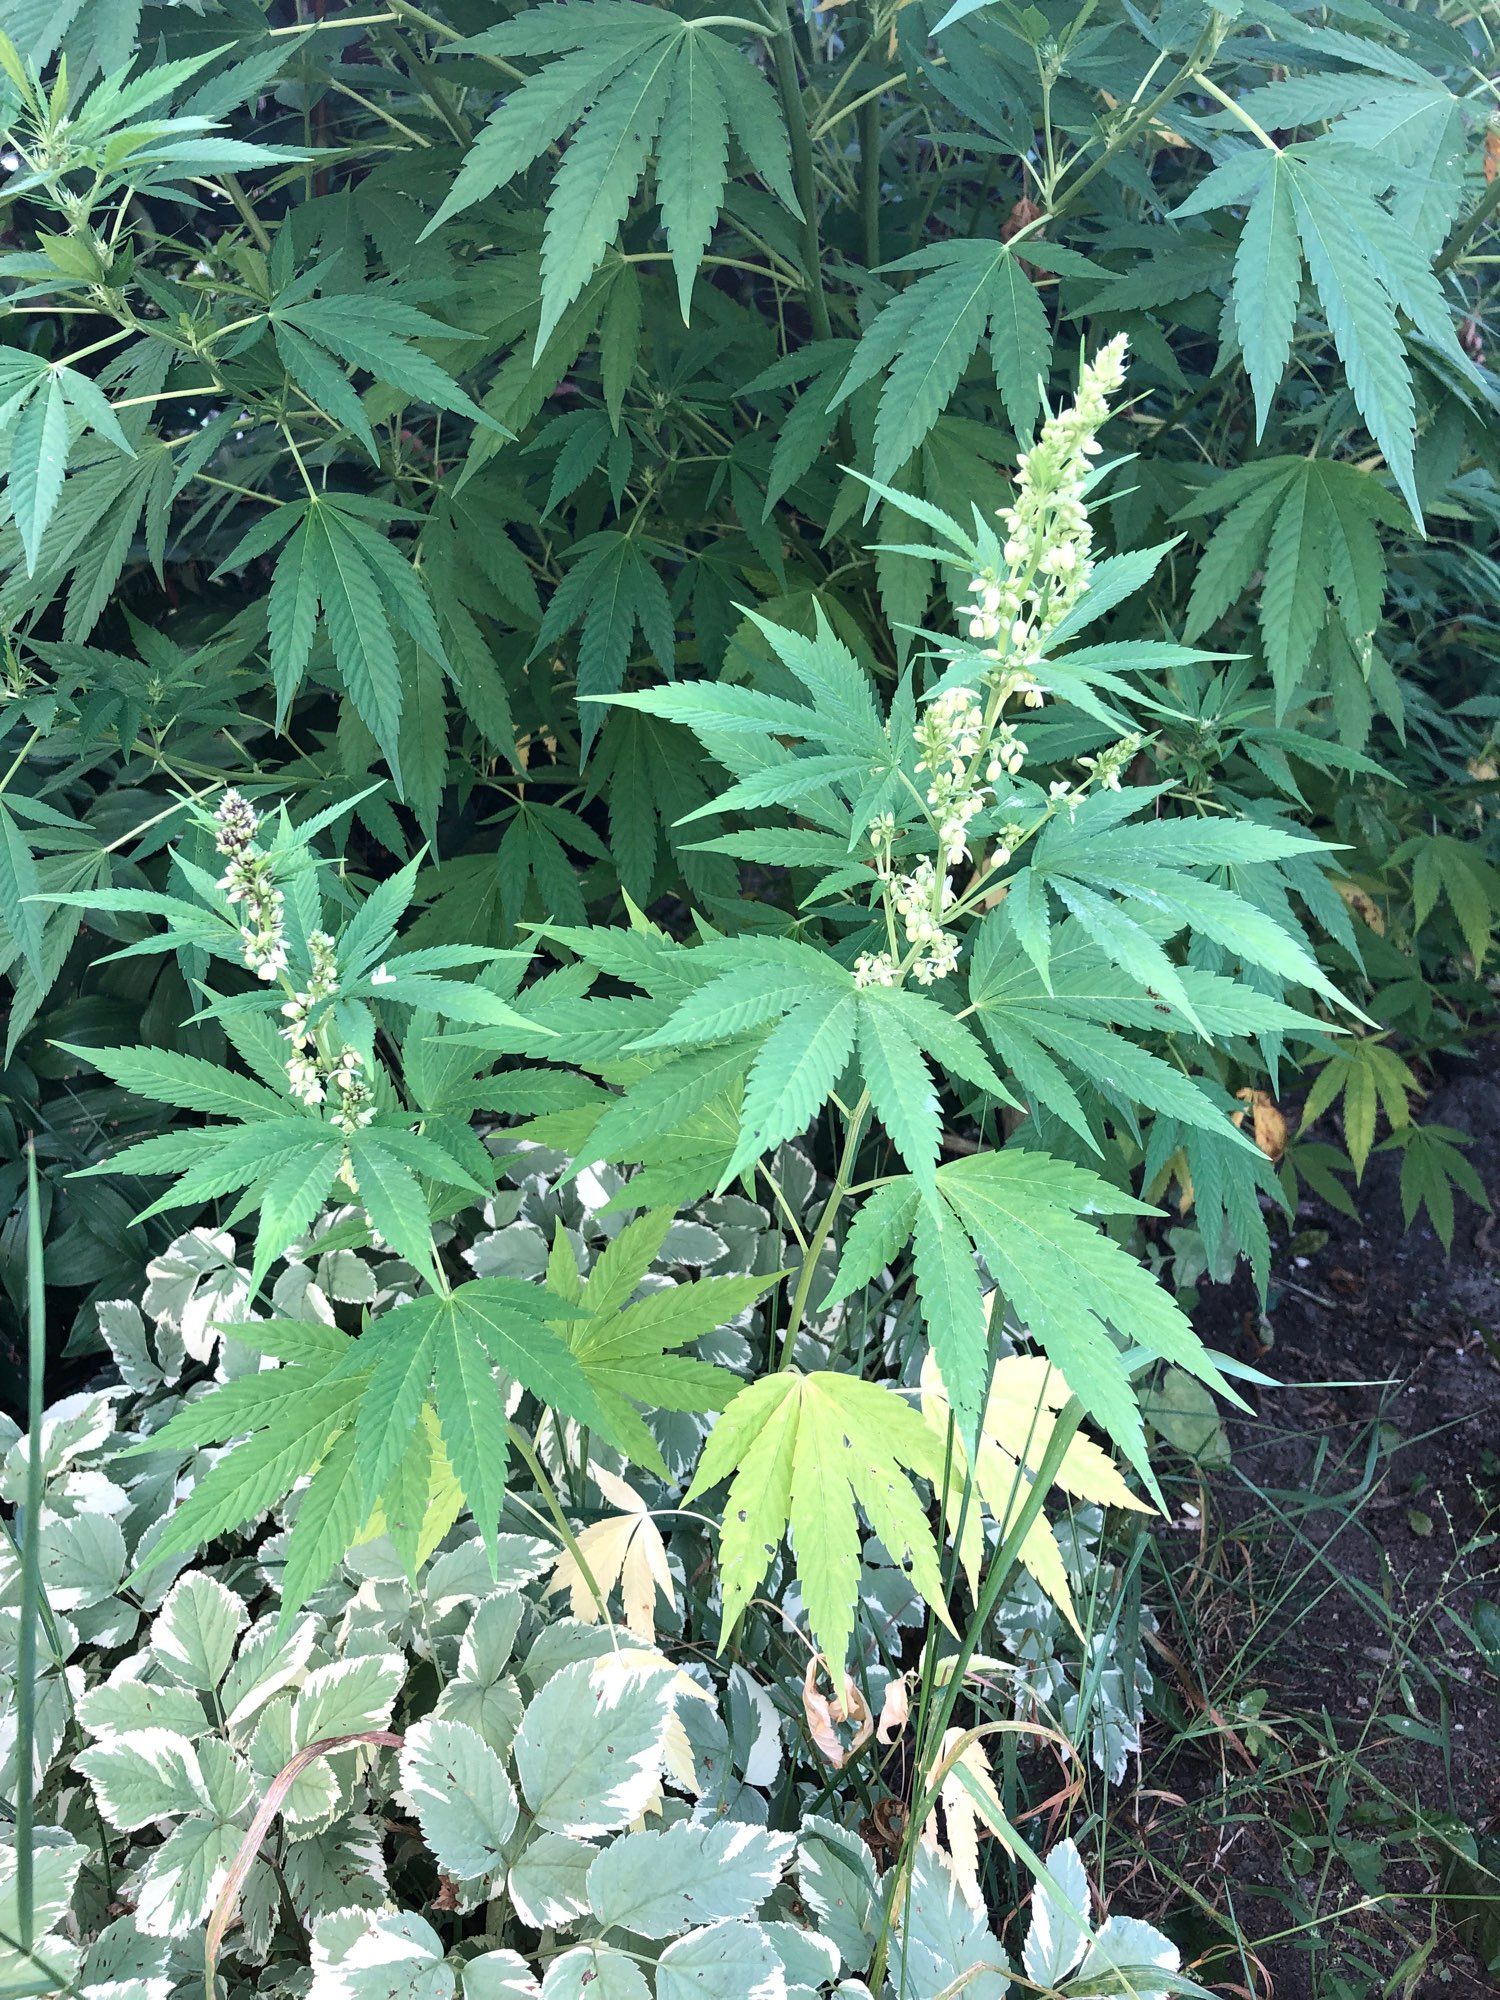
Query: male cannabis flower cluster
{"x": 317, "y": 1073}
{"x": 249, "y": 881}
{"x": 965, "y": 744}
{"x": 303, "y": 1067}
{"x": 1048, "y": 538}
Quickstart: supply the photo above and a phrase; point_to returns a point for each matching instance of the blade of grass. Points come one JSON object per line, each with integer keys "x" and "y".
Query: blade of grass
{"x": 31, "y": 1570}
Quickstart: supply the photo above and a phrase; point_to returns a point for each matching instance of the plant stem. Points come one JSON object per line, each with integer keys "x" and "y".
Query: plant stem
{"x": 1238, "y": 111}
{"x": 334, "y": 21}
{"x": 406, "y": 12}
{"x": 31, "y": 1581}
{"x": 560, "y": 1520}
{"x": 1465, "y": 232}
{"x": 1006, "y": 1556}
{"x": 784, "y": 50}
{"x": 823, "y": 1225}
{"x": 246, "y": 213}
{"x": 869, "y": 165}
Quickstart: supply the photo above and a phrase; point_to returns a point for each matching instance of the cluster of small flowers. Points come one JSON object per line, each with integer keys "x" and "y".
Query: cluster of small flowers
{"x": 922, "y": 899}
{"x": 1011, "y": 836}
{"x": 355, "y": 1107}
{"x": 1048, "y": 538}
{"x": 950, "y": 734}
{"x": 874, "y": 968}
{"x": 249, "y": 881}
{"x": 1110, "y": 765}
{"x": 303, "y": 1068}
{"x": 1008, "y": 753}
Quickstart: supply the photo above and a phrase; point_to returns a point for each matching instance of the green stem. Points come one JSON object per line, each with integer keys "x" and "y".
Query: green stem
{"x": 1211, "y": 89}
{"x": 333, "y": 21}
{"x": 1482, "y": 211}
{"x": 824, "y": 1224}
{"x": 406, "y": 12}
{"x": 869, "y": 166}
{"x": 560, "y": 1520}
{"x": 733, "y": 21}
{"x": 20, "y": 758}
{"x": 378, "y": 111}
{"x": 1127, "y": 130}
{"x": 31, "y": 1579}
{"x": 1006, "y": 1557}
{"x": 246, "y": 213}
{"x": 784, "y": 50}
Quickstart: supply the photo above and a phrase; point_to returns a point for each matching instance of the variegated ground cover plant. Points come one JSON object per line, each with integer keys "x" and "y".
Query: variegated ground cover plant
{"x": 496, "y": 1770}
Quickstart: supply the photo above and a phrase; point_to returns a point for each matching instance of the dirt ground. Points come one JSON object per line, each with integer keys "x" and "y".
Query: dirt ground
{"x": 1358, "y": 1524}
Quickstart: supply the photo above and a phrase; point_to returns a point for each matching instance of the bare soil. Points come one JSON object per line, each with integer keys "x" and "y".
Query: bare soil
{"x": 1334, "y": 1566}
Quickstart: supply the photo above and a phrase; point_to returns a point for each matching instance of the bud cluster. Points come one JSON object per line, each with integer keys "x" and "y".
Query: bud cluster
{"x": 965, "y": 745}
{"x": 304, "y": 1067}
{"x": 249, "y": 881}
{"x": 950, "y": 733}
{"x": 1110, "y": 765}
{"x": 1048, "y": 539}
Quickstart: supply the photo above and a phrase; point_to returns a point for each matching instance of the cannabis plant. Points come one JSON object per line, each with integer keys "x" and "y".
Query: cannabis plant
{"x": 955, "y": 883}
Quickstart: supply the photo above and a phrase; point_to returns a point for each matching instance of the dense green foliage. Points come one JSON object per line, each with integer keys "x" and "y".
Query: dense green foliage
{"x": 882, "y": 615}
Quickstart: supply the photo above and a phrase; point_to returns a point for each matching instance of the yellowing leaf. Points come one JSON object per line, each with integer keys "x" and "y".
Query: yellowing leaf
{"x": 968, "y": 1772}
{"x": 826, "y": 1714}
{"x": 805, "y": 1452}
{"x": 624, "y": 1550}
{"x": 1026, "y": 1393}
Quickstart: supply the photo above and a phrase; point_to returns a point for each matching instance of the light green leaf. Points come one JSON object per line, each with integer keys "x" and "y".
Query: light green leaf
{"x": 38, "y": 461}
{"x": 589, "y": 1750}
{"x": 197, "y": 1628}
{"x": 346, "y": 1696}
{"x": 657, "y": 1884}
{"x": 461, "y": 1795}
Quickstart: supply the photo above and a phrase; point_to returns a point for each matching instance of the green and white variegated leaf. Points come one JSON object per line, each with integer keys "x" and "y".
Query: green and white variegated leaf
{"x": 269, "y": 1659}
{"x": 837, "y": 1880}
{"x": 151, "y": 1775}
{"x": 481, "y": 1693}
{"x": 590, "y": 1748}
{"x": 809, "y": 1960}
{"x": 378, "y": 1955}
{"x": 500, "y": 1975}
{"x": 82, "y": 1560}
{"x": 461, "y": 1795}
{"x": 595, "y": 1972}
{"x": 343, "y": 1868}
{"x": 55, "y": 1865}
{"x": 657, "y": 1884}
{"x": 1123, "y": 1954}
{"x": 312, "y": 1800}
{"x": 941, "y": 1941}
{"x": 154, "y": 1776}
{"x": 728, "y": 1961}
{"x": 548, "y": 1882}
{"x": 346, "y": 1696}
{"x": 122, "y": 1706}
{"x": 195, "y": 1288}
{"x": 196, "y": 1630}
{"x": 1059, "y": 1934}
{"x": 181, "y": 1882}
